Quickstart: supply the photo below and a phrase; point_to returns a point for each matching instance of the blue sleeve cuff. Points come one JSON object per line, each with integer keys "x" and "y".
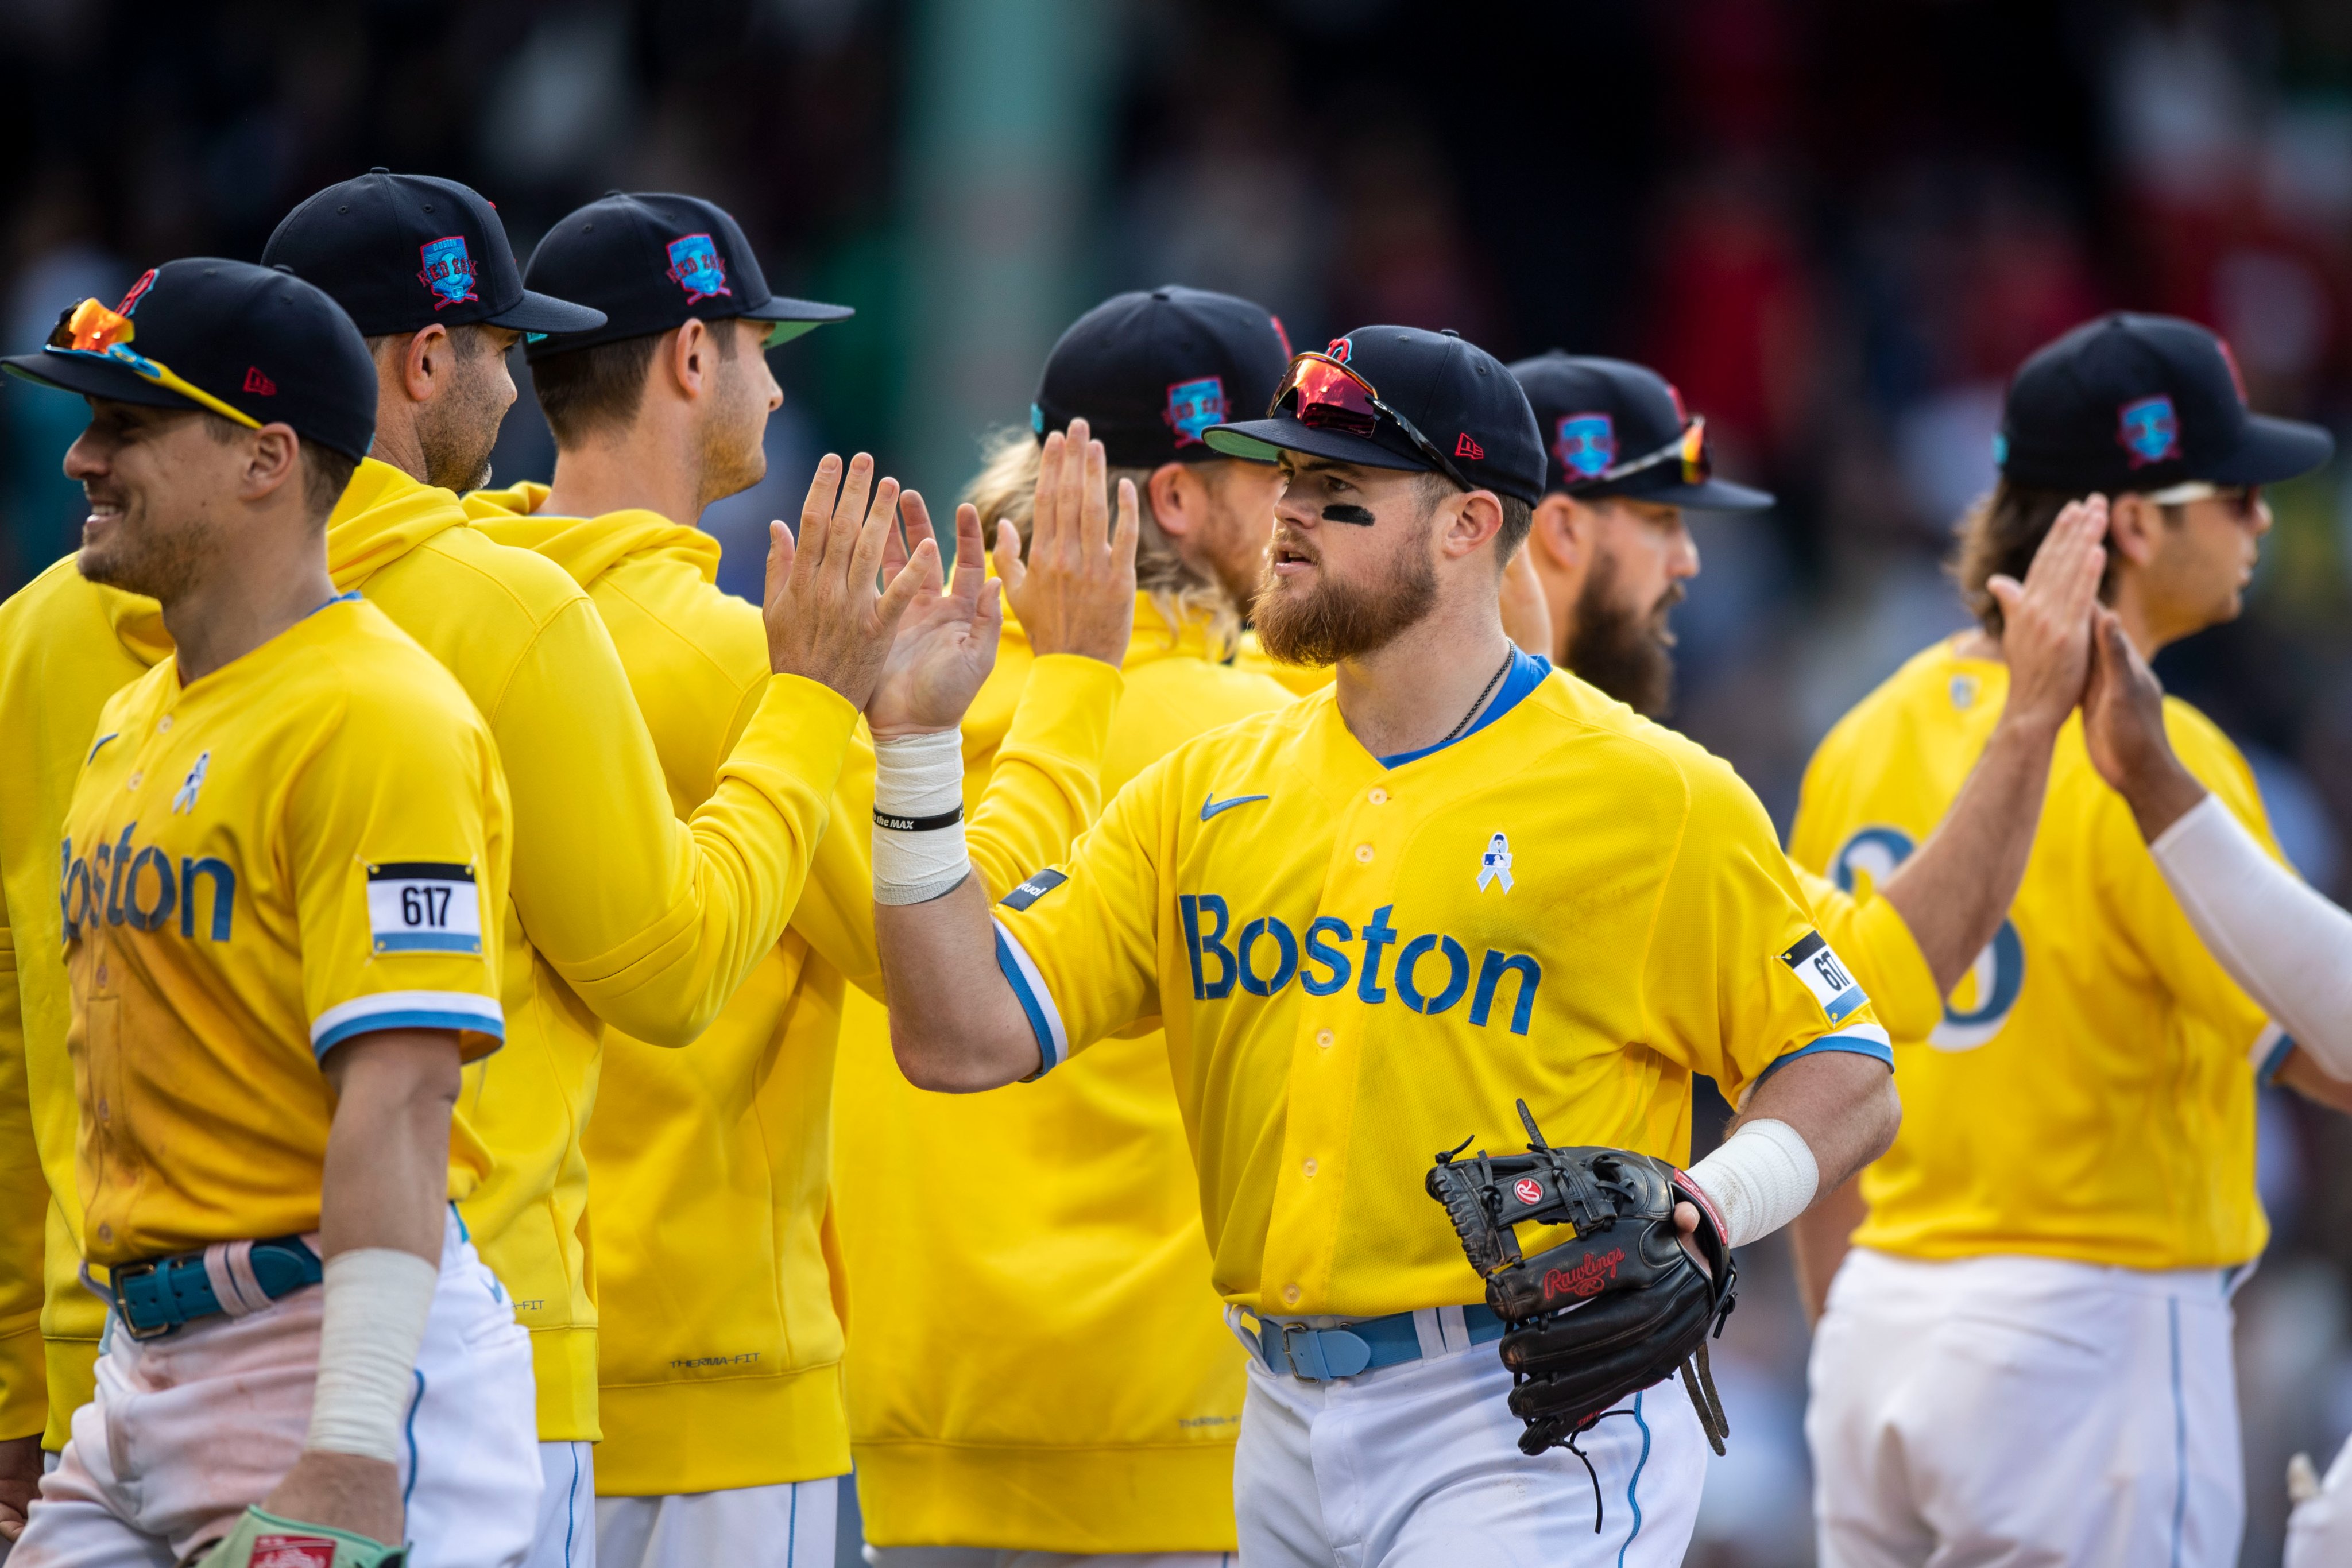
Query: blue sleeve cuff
{"x": 2272, "y": 1048}
{"x": 1863, "y": 1039}
{"x": 1036, "y": 1001}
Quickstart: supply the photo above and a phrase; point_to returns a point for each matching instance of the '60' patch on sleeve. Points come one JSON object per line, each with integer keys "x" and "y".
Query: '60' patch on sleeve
{"x": 1814, "y": 962}
{"x": 424, "y": 906}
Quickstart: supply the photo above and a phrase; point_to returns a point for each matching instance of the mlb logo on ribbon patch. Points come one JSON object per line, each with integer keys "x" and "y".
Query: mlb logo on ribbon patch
{"x": 2148, "y": 430}
{"x": 695, "y": 266}
{"x": 448, "y": 270}
{"x": 1193, "y": 406}
{"x": 1585, "y": 444}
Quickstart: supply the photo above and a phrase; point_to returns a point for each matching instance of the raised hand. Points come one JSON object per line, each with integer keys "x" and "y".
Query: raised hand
{"x": 825, "y": 619}
{"x": 2123, "y": 729}
{"x": 1076, "y": 592}
{"x": 2046, "y": 620}
{"x": 946, "y": 643}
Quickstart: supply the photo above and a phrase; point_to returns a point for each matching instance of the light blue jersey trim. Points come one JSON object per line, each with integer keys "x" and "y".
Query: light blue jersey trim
{"x": 1029, "y": 990}
{"x": 1861, "y": 1040}
{"x": 409, "y": 1491}
{"x": 350, "y": 597}
{"x": 1527, "y": 672}
{"x": 100, "y": 742}
{"x": 419, "y": 1018}
{"x": 2270, "y": 1053}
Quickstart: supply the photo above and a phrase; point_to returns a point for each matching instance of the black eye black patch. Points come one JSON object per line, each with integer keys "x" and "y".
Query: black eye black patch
{"x": 1343, "y": 513}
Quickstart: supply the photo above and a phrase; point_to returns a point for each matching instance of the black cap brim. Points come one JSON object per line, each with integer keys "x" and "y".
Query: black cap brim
{"x": 2270, "y": 451}
{"x": 795, "y": 317}
{"x": 93, "y": 378}
{"x": 1262, "y": 440}
{"x": 545, "y": 313}
{"x": 1706, "y": 496}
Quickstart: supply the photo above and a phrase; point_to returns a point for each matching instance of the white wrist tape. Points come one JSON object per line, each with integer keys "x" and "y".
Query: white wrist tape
{"x": 2289, "y": 946}
{"x": 377, "y": 1301}
{"x": 1763, "y": 1177}
{"x": 918, "y": 852}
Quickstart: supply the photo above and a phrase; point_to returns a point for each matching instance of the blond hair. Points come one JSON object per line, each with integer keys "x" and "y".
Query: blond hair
{"x": 1005, "y": 488}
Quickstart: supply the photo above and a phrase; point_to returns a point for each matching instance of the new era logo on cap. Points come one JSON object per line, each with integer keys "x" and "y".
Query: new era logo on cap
{"x": 1465, "y": 447}
{"x": 257, "y": 383}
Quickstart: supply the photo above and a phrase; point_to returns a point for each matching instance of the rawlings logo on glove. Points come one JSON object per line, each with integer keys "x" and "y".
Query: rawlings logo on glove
{"x": 1592, "y": 1322}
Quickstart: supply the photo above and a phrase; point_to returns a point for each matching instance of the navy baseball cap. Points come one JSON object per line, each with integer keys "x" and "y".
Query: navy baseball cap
{"x": 253, "y": 344}
{"x": 1150, "y": 372}
{"x": 648, "y": 262}
{"x": 1469, "y": 410}
{"x": 402, "y": 251}
{"x": 2134, "y": 403}
{"x": 1614, "y": 428}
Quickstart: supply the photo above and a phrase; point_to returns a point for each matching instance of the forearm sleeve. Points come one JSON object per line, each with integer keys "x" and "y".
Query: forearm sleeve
{"x": 2289, "y": 947}
{"x": 655, "y": 923}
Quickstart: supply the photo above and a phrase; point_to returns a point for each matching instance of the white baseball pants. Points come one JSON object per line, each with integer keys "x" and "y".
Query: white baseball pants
{"x": 2023, "y": 1411}
{"x": 1418, "y": 1466}
{"x": 189, "y": 1430}
{"x": 566, "y": 1533}
{"x": 788, "y": 1525}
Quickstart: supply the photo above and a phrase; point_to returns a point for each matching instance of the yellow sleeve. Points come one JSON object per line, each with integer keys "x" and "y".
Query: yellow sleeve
{"x": 2142, "y": 904}
{"x": 1043, "y": 789}
{"x": 394, "y": 840}
{"x": 24, "y": 1218}
{"x": 1079, "y": 941}
{"x": 1871, "y": 936}
{"x": 655, "y": 923}
{"x": 1737, "y": 981}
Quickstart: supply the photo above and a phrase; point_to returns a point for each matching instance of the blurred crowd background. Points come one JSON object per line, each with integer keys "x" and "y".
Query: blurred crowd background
{"x": 1836, "y": 224}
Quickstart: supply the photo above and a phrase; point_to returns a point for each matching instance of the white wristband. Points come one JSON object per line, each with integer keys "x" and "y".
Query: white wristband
{"x": 919, "y": 851}
{"x": 1763, "y": 1177}
{"x": 377, "y": 1301}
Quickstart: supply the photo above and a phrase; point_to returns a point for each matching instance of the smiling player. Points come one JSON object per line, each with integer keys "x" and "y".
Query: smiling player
{"x": 2051, "y": 1242}
{"x": 1308, "y": 901}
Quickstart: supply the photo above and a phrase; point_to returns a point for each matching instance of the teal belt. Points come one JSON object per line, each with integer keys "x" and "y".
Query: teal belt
{"x": 1320, "y": 1354}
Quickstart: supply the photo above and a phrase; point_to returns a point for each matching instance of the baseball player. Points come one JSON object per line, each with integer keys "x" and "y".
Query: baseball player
{"x": 721, "y": 1387}
{"x": 619, "y": 912}
{"x": 278, "y": 860}
{"x": 1605, "y": 563}
{"x": 981, "y": 1432}
{"x": 2050, "y": 1245}
{"x": 1369, "y": 922}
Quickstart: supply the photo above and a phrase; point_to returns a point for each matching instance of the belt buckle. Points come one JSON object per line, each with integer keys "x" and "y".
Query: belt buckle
{"x": 119, "y": 1278}
{"x": 1291, "y": 1356}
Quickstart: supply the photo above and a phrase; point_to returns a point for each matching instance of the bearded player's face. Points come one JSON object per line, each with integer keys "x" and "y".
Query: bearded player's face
{"x": 1351, "y": 567}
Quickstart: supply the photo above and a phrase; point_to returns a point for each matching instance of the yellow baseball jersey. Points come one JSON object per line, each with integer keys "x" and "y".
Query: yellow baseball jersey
{"x": 1014, "y": 1411}
{"x": 1869, "y": 934}
{"x": 720, "y": 1346}
{"x": 301, "y": 847}
{"x": 1359, "y": 961}
{"x": 617, "y": 912}
{"x": 2086, "y": 1091}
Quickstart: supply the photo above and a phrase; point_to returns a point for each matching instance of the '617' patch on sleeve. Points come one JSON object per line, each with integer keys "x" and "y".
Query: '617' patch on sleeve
{"x": 1814, "y": 962}
{"x": 424, "y": 906}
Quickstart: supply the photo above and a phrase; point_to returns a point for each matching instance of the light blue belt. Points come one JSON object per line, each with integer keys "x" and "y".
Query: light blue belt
{"x": 1320, "y": 1354}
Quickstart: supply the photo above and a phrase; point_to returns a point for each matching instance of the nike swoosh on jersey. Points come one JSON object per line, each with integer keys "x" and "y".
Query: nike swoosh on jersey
{"x": 1211, "y": 805}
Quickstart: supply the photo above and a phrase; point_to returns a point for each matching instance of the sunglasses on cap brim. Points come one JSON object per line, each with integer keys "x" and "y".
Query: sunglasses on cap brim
{"x": 1690, "y": 448}
{"x": 94, "y": 332}
{"x": 2241, "y": 499}
{"x": 1324, "y": 394}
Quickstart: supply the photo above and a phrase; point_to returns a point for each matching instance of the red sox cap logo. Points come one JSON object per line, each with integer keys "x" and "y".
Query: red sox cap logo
{"x": 1528, "y": 1190}
{"x": 1339, "y": 349}
{"x": 131, "y": 300}
{"x": 1587, "y": 1277}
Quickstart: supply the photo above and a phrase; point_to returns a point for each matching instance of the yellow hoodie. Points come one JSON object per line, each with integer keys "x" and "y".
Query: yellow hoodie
{"x": 721, "y": 1347}
{"x": 1037, "y": 1360}
{"x": 617, "y": 911}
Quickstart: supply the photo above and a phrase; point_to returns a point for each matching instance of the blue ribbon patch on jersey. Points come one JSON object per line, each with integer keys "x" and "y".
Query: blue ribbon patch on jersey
{"x": 1814, "y": 962}
{"x": 424, "y": 906}
{"x": 1036, "y": 888}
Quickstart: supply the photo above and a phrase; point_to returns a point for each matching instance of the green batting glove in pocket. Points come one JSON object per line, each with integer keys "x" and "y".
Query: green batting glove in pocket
{"x": 264, "y": 1541}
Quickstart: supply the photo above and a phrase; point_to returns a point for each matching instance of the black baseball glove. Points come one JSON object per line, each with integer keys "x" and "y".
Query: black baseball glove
{"x": 1591, "y": 1322}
